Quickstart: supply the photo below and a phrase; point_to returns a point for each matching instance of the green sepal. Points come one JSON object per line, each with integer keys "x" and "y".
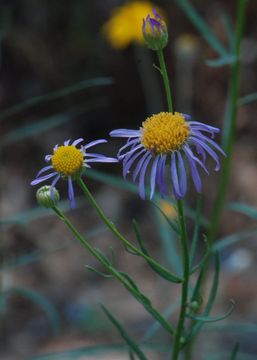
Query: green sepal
{"x": 134, "y": 348}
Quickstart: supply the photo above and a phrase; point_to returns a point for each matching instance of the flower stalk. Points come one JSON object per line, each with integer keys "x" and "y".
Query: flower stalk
{"x": 183, "y": 232}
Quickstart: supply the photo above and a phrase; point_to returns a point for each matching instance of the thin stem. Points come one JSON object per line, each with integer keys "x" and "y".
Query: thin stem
{"x": 229, "y": 141}
{"x": 117, "y": 233}
{"x": 183, "y": 232}
{"x": 165, "y": 80}
{"x": 186, "y": 273}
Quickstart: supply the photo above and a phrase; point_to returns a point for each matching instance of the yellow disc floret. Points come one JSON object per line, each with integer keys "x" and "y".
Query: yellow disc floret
{"x": 164, "y": 132}
{"x": 67, "y": 160}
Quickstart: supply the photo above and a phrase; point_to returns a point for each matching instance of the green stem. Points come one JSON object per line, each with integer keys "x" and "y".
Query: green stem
{"x": 183, "y": 233}
{"x": 186, "y": 273}
{"x": 230, "y": 139}
{"x": 165, "y": 80}
{"x": 117, "y": 233}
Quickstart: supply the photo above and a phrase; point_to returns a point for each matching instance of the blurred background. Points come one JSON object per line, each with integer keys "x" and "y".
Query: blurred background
{"x": 63, "y": 76}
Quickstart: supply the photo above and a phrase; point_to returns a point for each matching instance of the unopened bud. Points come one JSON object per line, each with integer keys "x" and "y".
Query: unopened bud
{"x": 47, "y": 196}
{"x": 155, "y": 32}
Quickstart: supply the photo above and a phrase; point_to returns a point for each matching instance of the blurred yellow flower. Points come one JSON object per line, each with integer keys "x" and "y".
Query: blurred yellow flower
{"x": 125, "y": 24}
{"x": 168, "y": 209}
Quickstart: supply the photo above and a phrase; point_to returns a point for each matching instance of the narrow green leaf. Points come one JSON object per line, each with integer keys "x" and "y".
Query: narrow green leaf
{"x": 247, "y": 99}
{"x": 139, "y": 237}
{"x": 229, "y": 240}
{"x": 80, "y": 86}
{"x": 103, "y": 257}
{"x": 243, "y": 328}
{"x": 48, "y": 123}
{"x": 41, "y": 301}
{"x": 226, "y": 60}
{"x": 131, "y": 343}
{"x": 244, "y": 209}
{"x": 235, "y": 351}
{"x": 213, "y": 318}
{"x": 154, "y": 265}
{"x": 91, "y": 268}
{"x": 202, "y": 26}
{"x": 229, "y": 29}
{"x": 131, "y": 282}
{"x": 155, "y": 327}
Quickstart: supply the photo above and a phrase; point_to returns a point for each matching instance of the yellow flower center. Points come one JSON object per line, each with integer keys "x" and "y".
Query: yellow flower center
{"x": 164, "y": 132}
{"x": 67, "y": 160}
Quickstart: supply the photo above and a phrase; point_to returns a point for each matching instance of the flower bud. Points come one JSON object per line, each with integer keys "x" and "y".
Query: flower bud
{"x": 155, "y": 32}
{"x": 47, "y": 196}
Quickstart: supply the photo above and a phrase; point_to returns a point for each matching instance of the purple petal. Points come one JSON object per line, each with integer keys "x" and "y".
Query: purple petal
{"x": 201, "y": 152}
{"x": 95, "y": 142}
{"x": 127, "y": 164}
{"x": 71, "y": 193}
{"x": 153, "y": 175}
{"x": 44, "y": 169}
{"x": 43, "y": 178}
{"x": 129, "y": 143}
{"x": 66, "y": 142}
{"x": 102, "y": 159}
{"x": 182, "y": 175}
{"x": 161, "y": 176}
{"x": 48, "y": 158}
{"x": 76, "y": 142}
{"x": 189, "y": 152}
{"x": 209, "y": 151}
{"x": 195, "y": 173}
{"x": 53, "y": 185}
{"x": 201, "y": 126}
{"x": 142, "y": 177}
{"x": 125, "y": 133}
{"x": 187, "y": 117}
{"x": 174, "y": 176}
{"x": 139, "y": 165}
{"x": 140, "y": 146}
{"x": 213, "y": 143}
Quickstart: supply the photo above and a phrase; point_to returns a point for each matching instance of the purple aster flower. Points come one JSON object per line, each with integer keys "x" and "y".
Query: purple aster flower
{"x": 168, "y": 138}
{"x": 68, "y": 162}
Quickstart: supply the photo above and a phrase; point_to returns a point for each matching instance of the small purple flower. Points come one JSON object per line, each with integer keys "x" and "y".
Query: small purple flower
{"x": 168, "y": 138}
{"x": 155, "y": 31}
{"x": 68, "y": 161}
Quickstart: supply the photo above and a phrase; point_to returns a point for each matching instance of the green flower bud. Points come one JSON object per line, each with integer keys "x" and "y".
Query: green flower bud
{"x": 155, "y": 32}
{"x": 47, "y": 196}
